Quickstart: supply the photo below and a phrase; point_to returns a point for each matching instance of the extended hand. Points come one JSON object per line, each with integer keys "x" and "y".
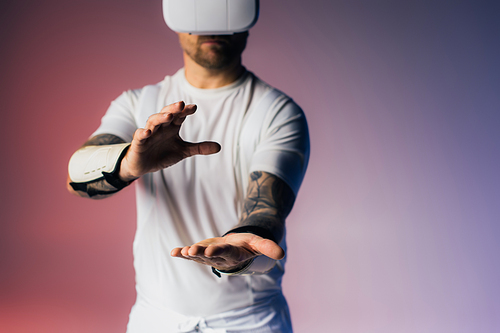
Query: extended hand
{"x": 228, "y": 252}
{"x": 158, "y": 145}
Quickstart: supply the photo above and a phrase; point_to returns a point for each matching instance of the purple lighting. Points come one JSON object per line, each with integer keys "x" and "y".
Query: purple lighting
{"x": 396, "y": 227}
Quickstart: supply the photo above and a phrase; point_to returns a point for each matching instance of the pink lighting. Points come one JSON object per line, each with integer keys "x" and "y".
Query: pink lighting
{"x": 396, "y": 227}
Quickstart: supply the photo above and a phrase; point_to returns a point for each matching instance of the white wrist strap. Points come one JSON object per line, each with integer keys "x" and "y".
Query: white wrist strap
{"x": 259, "y": 265}
{"x": 88, "y": 163}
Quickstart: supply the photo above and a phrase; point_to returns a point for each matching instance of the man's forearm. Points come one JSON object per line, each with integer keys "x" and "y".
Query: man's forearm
{"x": 98, "y": 189}
{"x": 269, "y": 201}
{"x": 252, "y": 246}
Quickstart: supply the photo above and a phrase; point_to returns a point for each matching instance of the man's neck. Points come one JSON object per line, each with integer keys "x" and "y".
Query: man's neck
{"x": 203, "y": 78}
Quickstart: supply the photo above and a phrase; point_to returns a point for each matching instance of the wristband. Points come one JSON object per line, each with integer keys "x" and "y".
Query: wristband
{"x": 88, "y": 163}
{"x": 256, "y": 266}
{"x": 252, "y": 229}
{"x": 113, "y": 179}
{"x": 94, "y": 163}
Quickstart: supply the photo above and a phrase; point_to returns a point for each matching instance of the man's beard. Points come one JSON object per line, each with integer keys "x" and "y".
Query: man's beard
{"x": 220, "y": 60}
{"x": 220, "y": 56}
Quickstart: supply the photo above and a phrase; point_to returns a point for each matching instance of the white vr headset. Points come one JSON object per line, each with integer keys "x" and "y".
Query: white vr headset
{"x": 210, "y": 17}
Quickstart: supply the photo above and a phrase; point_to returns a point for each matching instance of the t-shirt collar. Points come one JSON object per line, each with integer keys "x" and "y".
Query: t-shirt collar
{"x": 180, "y": 75}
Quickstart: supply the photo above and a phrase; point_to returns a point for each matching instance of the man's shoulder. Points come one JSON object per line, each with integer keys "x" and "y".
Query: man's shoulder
{"x": 167, "y": 80}
{"x": 261, "y": 89}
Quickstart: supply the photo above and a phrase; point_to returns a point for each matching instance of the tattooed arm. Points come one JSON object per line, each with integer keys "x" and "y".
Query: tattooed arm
{"x": 100, "y": 188}
{"x": 268, "y": 202}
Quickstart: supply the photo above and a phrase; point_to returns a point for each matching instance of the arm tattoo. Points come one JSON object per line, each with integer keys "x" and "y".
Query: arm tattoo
{"x": 99, "y": 188}
{"x": 103, "y": 139}
{"x": 269, "y": 201}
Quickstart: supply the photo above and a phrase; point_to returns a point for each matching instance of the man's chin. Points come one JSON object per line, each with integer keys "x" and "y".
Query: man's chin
{"x": 215, "y": 61}
{"x": 214, "y": 66}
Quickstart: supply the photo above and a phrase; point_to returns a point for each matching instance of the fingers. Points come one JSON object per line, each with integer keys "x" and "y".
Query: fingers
{"x": 188, "y": 251}
{"x": 176, "y": 252}
{"x": 234, "y": 246}
{"x": 158, "y": 119}
{"x": 198, "y": 251}
{"x": 228, "y": 256}
{"x": 181, "y": 116}
{"x": 174, "y": 113}
{"x": 142, "y": 134}
{"x": 197, "y": 254}
{"x": 222, "y": 255}
{"x": 192, "y": 251}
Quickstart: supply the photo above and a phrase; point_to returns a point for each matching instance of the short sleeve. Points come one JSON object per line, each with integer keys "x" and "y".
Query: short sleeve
{"x": 119, "y": 119}
{"x": 284, "y": 146}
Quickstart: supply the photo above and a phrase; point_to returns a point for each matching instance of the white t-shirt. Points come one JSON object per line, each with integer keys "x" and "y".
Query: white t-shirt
{"x": 201, "y": 197}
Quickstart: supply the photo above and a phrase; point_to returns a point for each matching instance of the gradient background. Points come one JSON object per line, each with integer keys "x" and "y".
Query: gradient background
{"x": 396, "y": 228}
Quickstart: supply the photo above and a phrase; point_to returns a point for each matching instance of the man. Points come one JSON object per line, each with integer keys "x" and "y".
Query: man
{"x": 224, "y": 213}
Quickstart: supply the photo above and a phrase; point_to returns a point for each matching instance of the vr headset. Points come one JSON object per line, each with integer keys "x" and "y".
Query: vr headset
{"x": 210, "y": 17}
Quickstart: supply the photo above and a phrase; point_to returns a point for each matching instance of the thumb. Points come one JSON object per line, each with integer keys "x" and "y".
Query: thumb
{"x": 203, "y": 148}
{"x": 269, "y": 248}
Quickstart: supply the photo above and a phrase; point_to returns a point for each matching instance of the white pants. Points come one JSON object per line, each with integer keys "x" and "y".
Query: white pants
{"x": 271, "y": 316}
